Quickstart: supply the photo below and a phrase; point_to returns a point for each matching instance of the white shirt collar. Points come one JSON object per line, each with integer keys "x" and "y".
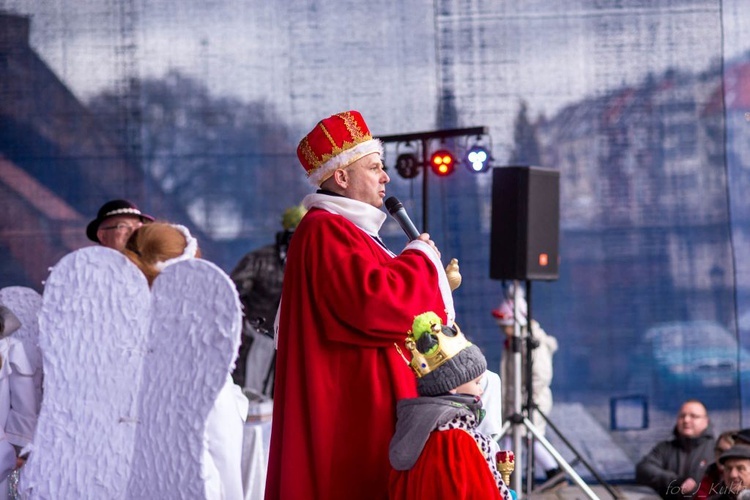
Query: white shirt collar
{"x": 368, "y": 218}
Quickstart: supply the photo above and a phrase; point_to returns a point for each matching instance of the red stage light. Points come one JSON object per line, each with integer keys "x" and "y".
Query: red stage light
{"x": 442, "y": 162}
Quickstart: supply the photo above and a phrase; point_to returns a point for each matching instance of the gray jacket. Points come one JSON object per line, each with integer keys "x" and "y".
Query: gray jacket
{"x": 670, "y": 462}
{"x": 418, "y": 417}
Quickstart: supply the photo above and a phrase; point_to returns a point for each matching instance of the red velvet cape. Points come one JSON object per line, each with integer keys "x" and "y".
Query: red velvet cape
{"x": 450, "y": 466}
{"x": 345, "y": 302}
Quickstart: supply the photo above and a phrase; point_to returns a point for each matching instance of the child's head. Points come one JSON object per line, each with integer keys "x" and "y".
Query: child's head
{"x": 504, "y": 315}
{"x": 443, "y": 359}
{"x": 154, "y": 246}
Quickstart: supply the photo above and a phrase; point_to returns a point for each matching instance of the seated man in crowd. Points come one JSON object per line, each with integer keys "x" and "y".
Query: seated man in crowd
{"x": 714, "y": 476}
{"x": 674, "y": 467}
{"x": 736, "y": 463}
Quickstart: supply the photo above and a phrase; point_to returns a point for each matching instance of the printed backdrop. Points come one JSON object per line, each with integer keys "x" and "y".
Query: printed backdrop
{"x": 194, "y": 108}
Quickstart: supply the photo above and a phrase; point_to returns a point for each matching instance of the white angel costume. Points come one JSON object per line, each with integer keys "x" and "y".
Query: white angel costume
{"x": 19, "y": 404}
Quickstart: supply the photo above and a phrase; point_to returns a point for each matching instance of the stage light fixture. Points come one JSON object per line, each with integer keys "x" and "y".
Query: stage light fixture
{"x": 478, "y": 159}
{"x": 407, "y": 165}
{"x": 442, "y": 162}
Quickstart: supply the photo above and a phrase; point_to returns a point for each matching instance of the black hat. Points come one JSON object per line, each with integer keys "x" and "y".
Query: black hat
{"x": 110, "y": 209}
{"x": 736, "y": 451}
{"x": 742, "y": 436}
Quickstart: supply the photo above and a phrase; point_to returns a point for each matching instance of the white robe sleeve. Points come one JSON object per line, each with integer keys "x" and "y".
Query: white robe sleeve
{"x": 224, "y": 431}
{"x": 492, "y": 402}
{"x": 24, "y": 406}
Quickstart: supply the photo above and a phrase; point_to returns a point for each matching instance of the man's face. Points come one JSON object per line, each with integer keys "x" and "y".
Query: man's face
{"x": 737, "y": 474}
{"x": 114, "y": 231}
{"x": 692, "y": 420}
{"x": 366, "y": 180}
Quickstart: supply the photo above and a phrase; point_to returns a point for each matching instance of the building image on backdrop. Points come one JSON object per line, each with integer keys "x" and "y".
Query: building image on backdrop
{"x": 194, "y": 112}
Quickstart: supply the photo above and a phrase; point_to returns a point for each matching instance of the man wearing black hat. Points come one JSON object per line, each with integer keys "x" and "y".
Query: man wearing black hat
{"x": 115, "y": 222}
{"x": 736, "y": 463}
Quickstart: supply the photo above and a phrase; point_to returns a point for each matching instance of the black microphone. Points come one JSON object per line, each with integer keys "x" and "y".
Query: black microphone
{"x": 397, "y": 211}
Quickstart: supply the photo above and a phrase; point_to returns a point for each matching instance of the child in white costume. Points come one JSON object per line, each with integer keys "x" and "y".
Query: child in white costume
{"x": 152, "y": 248}
{"x": 19, "y": 405}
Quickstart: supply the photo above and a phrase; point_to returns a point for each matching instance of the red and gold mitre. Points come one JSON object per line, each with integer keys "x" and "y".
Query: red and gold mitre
{"x": 336, "y": 142}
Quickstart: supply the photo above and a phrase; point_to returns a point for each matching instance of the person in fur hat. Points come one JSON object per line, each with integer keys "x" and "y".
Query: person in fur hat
{"x": 258, "y": 277}
{"x": 437, "y": 450}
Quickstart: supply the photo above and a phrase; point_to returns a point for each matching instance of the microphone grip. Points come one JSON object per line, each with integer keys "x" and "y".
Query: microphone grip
{"x": 406, "y": 224}
{"x": 397, "y": 211}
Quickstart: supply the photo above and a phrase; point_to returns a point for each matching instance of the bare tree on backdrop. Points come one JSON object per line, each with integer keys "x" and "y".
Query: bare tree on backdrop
{"x": 526, "y": 149}
{"x": 226, "y": 161}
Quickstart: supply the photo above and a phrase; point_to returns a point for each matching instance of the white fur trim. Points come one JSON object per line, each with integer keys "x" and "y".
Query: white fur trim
{"x": 191, "y": 248}
{"x": 445, "y": 287}
{"x": 363, "y": 215}
{"x": 344, "y": 159}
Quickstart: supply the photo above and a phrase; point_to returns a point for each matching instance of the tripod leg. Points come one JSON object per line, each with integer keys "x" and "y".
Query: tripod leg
{"x": 560, "y": 460}
{"x": 503, "y": 431}
{"x": 576, "y": 453}
{"x": 516, "y": 479}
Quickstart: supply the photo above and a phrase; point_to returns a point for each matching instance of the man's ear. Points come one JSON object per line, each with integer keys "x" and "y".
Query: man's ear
{"x": 341, "y": 177}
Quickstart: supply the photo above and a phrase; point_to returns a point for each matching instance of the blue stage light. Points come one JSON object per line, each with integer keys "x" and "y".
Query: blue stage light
{"x": 477, "y": 159}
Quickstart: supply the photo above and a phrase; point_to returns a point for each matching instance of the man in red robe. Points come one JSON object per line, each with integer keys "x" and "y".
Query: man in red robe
{"x": 346, "y": 300}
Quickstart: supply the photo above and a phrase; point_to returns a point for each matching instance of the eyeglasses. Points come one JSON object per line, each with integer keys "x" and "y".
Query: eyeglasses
{"x": 692, "y": 416}
{"x": 121, "y": 227}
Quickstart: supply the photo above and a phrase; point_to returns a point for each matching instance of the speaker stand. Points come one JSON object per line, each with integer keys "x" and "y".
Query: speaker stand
{"x": 518, "y": 419}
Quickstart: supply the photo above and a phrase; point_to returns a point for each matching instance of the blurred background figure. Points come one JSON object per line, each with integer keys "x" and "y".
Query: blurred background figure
{"x": 115, "y": 222}
{"x": 674, "y": 467}
{"x": 258, "y": 277}
{"x": 543, "y": 347}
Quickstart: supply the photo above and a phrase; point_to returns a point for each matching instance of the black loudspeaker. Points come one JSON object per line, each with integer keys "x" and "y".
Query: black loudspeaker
{"x": 525, "y": 223}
